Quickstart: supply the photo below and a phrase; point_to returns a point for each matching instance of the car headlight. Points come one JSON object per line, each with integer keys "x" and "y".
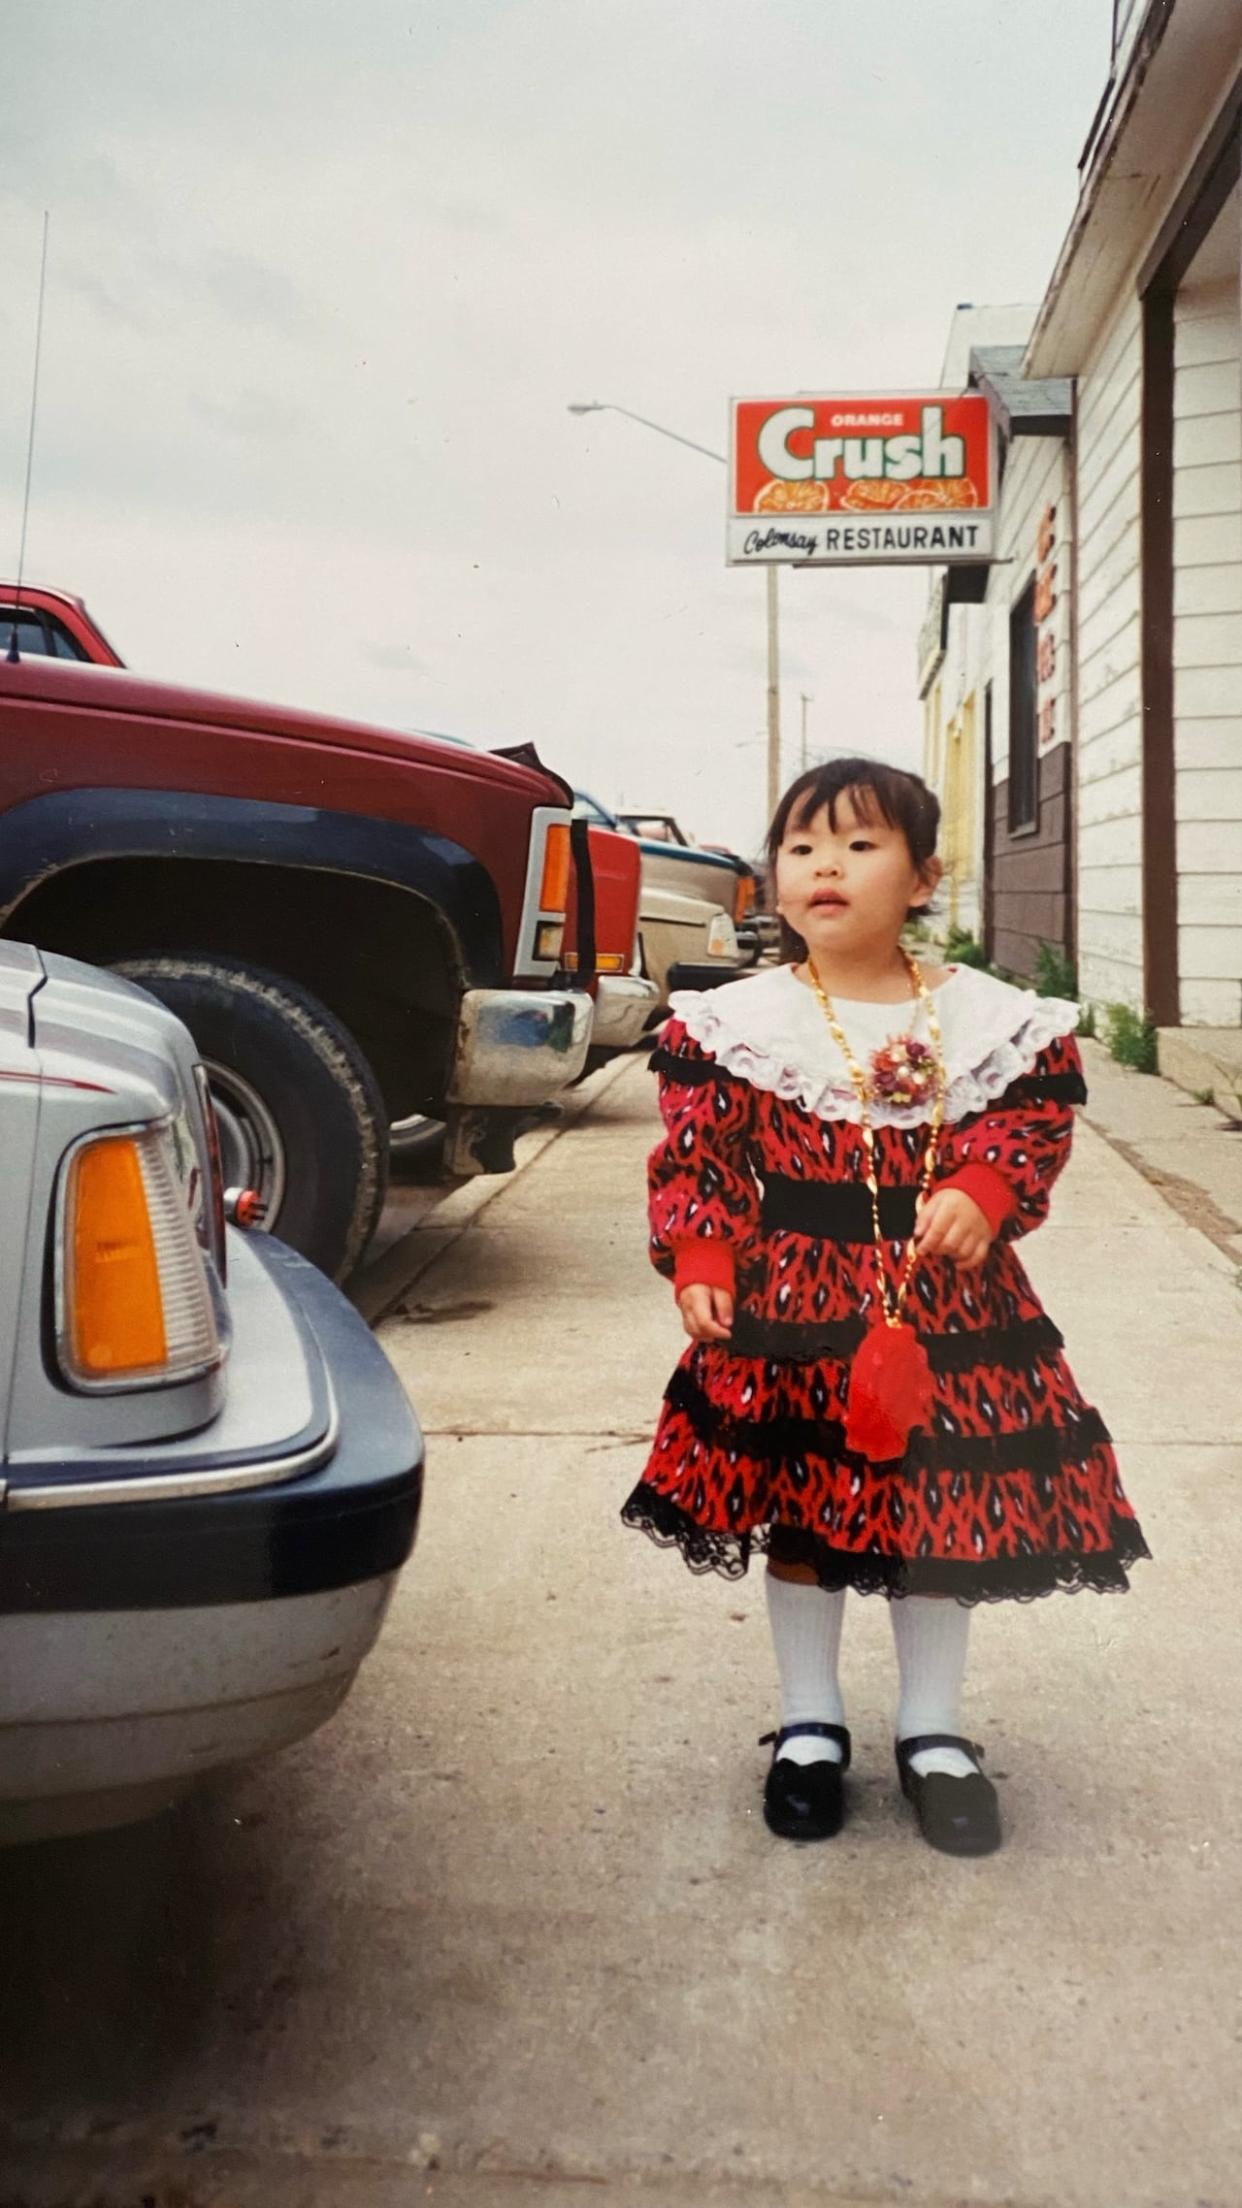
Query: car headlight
{"x": 722, "y": 937}
{"x": 134, "y": 1304}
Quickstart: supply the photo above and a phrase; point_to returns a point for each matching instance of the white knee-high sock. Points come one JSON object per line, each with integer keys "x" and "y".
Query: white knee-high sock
{"x": 931, "y": 1636}
{"x": 806, "y": 1634}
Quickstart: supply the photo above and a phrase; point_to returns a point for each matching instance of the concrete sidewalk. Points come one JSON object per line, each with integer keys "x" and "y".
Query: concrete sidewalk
{"x": 515, "y": 1922}
{"x": 1188, "y": 1148}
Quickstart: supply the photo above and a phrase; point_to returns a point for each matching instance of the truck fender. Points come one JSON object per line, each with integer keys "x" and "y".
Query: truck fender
{"x": 45, "y": 835}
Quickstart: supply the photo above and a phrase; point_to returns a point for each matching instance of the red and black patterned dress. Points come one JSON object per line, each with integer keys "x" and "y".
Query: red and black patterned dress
{"x": 1011, "y": 1490}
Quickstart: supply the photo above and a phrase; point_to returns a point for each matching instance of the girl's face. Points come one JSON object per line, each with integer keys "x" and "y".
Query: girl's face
{"x": 848, "y": 888}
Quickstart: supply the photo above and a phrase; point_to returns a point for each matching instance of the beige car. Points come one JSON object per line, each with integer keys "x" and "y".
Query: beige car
{"x": 686, "y": 942}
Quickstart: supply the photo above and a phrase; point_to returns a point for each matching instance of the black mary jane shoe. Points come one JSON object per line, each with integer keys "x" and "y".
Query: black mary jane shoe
{"x": 805, "y": 1801}
{"x": 958, "y": 1816}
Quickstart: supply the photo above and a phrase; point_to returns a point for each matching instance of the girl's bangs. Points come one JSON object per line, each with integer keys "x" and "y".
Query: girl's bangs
{"x": 865, "y": 798}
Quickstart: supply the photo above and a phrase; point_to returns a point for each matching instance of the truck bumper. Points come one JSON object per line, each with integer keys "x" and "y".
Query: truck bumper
{"x": 624, "y": 1004}
{"x": 519, "y": 1046}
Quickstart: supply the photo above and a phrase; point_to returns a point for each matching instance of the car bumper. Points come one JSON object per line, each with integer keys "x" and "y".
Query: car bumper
{"x": 624, "y": 1004}
{"x": 220, "y": 1605}
{"x": 519, "y": 1046}
{"x": 108, "y": 1716}
{"x": 701, "y": 977}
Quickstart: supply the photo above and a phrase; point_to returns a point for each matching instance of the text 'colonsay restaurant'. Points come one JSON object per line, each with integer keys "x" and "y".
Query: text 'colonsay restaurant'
{"x": 1083, "y": 721}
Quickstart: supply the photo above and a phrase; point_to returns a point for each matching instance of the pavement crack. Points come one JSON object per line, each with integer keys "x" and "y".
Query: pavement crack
{"x": 605, "y": 1437}
{"x": 1191, "y": 1202}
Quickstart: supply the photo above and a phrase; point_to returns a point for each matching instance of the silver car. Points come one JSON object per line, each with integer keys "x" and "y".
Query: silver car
{"x": 211, "y": 1475}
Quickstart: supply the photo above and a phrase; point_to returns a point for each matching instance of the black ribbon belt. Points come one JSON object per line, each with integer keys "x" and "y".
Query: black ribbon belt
{"x": 835, "y": 1211}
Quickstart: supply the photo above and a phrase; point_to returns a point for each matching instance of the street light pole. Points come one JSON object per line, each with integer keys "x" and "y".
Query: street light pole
{"x": 608, "y": 406}
{"x": 774, "y": 694}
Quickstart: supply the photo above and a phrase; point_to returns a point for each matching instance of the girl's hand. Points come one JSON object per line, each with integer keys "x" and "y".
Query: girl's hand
{"x": 706, "y": 1313}
{"x": 950, "y": 1224}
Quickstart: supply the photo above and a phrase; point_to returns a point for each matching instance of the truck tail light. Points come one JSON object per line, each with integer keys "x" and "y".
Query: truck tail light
{"x": 541, "y": 935}
{"x": 554, "y": 887}
{"x": 745, "y": 897}
{"x": 134, "y": 1305}
{"x": 606, "y": 962}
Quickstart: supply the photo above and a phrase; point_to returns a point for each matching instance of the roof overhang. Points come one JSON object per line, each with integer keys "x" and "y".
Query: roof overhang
{"x": 1023, "y": 406}
{"x": 1162, "y": 110}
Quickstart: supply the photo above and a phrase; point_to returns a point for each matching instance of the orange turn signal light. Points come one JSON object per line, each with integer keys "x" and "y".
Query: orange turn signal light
{"x": 554, "y": 886}
{"x": 115, "y": 1304}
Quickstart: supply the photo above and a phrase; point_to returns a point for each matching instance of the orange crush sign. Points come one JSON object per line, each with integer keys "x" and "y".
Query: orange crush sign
{"x": 865, "y": 481}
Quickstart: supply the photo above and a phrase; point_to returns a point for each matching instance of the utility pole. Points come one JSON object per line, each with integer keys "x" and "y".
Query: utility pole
{"x": 774, "y": 695}
{"x": 807, "y": 699}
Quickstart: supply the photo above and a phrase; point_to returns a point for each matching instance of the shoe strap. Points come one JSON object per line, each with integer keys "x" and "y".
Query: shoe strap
{"x": 908, "y": 1748}
{"x": 839, "y": 1733}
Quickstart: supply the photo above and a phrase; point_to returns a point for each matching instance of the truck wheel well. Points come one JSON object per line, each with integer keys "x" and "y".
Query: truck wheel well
{"x": 383, "y": 959}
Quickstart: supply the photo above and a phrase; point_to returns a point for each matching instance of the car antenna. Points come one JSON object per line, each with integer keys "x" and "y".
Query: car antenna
{"x": 13, "y": 655}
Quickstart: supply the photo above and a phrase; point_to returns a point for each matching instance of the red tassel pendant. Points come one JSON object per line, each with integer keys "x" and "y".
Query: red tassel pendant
{"x": 890, "y": 1392}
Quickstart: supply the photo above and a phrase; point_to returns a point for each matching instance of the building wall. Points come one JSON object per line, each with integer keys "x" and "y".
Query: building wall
{"x": 953, "y": 768}
{"x": 1207, "y": 638}
{"x": 961, "y": 846}
{"x": 1031, "y": 872}
{"x": 1109, "y": 719}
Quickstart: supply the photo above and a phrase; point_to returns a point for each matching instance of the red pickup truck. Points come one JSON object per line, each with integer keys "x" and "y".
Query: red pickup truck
{"x": 357, "y": 926}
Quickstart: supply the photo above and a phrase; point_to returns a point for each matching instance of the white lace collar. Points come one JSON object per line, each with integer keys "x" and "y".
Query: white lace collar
{"x": 770, "y": 1030}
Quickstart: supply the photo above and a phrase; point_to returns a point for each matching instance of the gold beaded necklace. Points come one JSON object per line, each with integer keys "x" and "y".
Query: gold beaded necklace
{"x": 890, "y": 1382}
{"x": 892, "y": 1311}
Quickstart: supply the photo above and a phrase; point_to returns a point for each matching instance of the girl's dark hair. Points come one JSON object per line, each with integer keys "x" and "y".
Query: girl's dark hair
{"x": 876, "y": 791}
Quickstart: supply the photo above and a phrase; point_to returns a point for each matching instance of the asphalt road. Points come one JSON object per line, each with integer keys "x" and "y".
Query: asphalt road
{"x": 511, "y": 1928}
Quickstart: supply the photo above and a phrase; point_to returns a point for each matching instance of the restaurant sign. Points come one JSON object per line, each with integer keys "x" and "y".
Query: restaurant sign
{"x": 862, "y": 482}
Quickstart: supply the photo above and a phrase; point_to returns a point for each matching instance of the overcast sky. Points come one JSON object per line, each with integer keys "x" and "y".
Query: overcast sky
{"x": 323, "y": 279}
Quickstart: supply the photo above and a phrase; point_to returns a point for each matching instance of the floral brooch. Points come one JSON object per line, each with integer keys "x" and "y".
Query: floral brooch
{"x": 903, "y": 1072}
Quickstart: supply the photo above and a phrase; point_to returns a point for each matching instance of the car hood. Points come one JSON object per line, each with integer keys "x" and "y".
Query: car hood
{"x": 82, "y": 686}
{"x": 669, "y": 904}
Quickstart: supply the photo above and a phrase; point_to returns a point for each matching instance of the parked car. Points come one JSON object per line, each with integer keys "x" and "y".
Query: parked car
{"x": 356, "y": 925}
{"x": 672, "y": 857}
{"x": 689, "y": 878}
{"x": 211, "y": 1476}
{"x": 51, "y": 624}
{"x": 366, "y": 930}
{"x": 687, "y": 944}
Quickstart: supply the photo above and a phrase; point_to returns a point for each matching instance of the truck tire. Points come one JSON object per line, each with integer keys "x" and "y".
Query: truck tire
{"x": 416, "y": 1148}
{"x": 301, "y": 1115}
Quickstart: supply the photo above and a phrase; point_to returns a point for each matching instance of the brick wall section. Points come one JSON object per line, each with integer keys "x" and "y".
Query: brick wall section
{"x": 1030, "y": 895}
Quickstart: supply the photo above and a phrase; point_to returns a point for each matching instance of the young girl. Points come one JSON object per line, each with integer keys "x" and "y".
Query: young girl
{"x": 874, "y": 1393}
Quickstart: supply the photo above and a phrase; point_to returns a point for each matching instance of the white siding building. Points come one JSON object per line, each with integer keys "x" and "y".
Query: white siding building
{"x": 1129, "y": 522}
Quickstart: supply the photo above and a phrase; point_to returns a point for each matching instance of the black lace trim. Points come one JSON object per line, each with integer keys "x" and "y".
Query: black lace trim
{"x": 1029, "y": 1088}
{"x": 1013, "y": 1348}
{"x": 1040, "y": 1088}
{"x": 998, "y": 1579}
{"x": 1040, "y": 1448}
{"x": 686, "y": 1072}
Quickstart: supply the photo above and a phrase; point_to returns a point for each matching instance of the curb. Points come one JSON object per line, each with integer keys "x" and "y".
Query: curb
{"x": 379, "y": 1287}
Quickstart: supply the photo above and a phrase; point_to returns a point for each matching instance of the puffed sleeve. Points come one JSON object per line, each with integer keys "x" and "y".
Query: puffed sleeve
{"x": 703, "y": 1201}
{"x": 1008, "y": 1157}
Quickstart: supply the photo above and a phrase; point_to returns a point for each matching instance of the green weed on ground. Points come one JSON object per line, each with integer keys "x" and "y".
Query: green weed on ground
{"x": 1131, "y": 1037}
{"x": 1055, "y": 974}
{"x": 961, "y": 948}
